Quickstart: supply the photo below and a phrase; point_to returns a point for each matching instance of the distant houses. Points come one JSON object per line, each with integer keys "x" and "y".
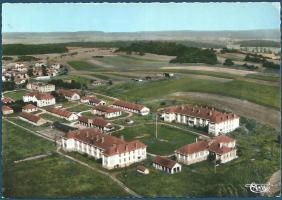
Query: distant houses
{"x": 32, "y": 119}
{"x": 96, "y": 102}
{"x": 131, "y": 107}
{"x": 40, "y": 87}
{"x": 98, "y": 122}
{"x": 7, "y": 100}
{"x": 58, "y": 112}
{"x": 6, "y": 110}
{"x": 29, "y": 108}
{"x": 199, "y": 116}
{"x": 41, "y": 99}
{"x": 143, "y": 170}
{"x": 106, "y": 111}
{"x": 86, "y": 99}
{"x": 166, "y": 165}
{"x": 71, "y": 95}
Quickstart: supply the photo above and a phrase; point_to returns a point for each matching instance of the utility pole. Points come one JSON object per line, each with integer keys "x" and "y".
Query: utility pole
{"x": 156, "y": 126}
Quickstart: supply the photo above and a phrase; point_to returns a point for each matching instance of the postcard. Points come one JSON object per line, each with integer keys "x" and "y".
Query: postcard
{"x": 141, "y": 100}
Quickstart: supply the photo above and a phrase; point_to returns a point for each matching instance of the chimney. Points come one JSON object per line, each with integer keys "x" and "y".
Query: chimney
{"x": 122, "y": 137}
{"x": 103, "y": 140}
{"x": 135, "y": 144}
{"x": 210, "y": 113}
{"x": 196, "y": 139}
{"x": 97, "y": 137}
{"x": 182, "y": 107}
{"x": 87, "y": 134}
{"x": 126, "y": 147}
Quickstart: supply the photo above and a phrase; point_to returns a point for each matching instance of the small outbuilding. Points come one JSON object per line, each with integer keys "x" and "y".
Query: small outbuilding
{"x": 166, "y": 165}
{"x": 143, "y": 170}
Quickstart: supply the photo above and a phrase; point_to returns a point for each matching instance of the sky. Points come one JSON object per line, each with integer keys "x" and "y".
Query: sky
{"x": 133, "y": 17}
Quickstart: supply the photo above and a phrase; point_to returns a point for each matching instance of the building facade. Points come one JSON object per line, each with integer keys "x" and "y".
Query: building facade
{"x": 41, "y": 87}
{"x": 41, "y": 99}
{"x": 106, "y": 111}
{"x": 166, "y": 165}
{"x": 114, "y": 152}
{"x": 131, "y": 107}
{"x": 198, "y": 116}
{"x": 58, "y": 112}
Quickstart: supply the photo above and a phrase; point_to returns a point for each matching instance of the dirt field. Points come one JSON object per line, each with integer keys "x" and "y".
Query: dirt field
{"x": 262, "y": 114}
{"x": 213, "y": 69}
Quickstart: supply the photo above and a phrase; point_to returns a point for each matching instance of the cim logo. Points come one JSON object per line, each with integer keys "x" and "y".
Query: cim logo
{"x": 258, "y": 188}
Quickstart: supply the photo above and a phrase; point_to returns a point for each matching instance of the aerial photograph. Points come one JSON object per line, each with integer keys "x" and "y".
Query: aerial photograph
{"x": 126, "y": 100}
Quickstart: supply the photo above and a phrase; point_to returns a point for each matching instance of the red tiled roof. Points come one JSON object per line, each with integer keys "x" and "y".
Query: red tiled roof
{"x": 105, "y": 109}
{"x": 30, "y": 117}
{"x": 98, "y": 121}
{"x": 88, "y": 97}
{"x": 128, "y": 105}
{"x": 6, "y": 108}
{"x": 110, "y": 144}
{"x": 193, "y": 148}
{"x": 40, "y": 95}
{"x": 95, "y": 101}
{"x": 6, "y": 100}
{"x": 201, "y": 112}
{"x": 58, "y": 111}
{"x": 141, "y": 168}
{"x": 165, "y": 162}
{"x": 68, "y": 93}
{"x": 29, "y": 107}
{"x": 215, "y": 147}
{"x": 223, "y": 139}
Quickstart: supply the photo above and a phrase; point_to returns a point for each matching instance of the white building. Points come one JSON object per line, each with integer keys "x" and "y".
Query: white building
{"x": 222, "y": 148}
{"x": 97, "y": 122}
{"x": 6, "y": 110}
{"x": 86, "y": 99}
{"x": 96, "y": 102}
{"x": 41, "y": 99}
{"x": 131, "y": 107}
{"x": 166, "y": 165}
{"x": 58, "y": 112}
{"x": 29, "y": 108}
{"x": 113, "y": 151}
{"x": 105, "y": 111}
{"x": 71, "y": 95}
{"x": 217, "y": 122}
{"x": 41, "y": 87}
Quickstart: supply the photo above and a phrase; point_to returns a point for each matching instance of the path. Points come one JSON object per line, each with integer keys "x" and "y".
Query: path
{"x": 128, "y": 190}
{"x": 262, "y": 114}
{"x": 275, "y": 183}
{"x": 33, "y": 157}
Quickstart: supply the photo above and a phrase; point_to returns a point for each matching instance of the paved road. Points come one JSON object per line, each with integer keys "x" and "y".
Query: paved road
{"x": 128, "y": 190}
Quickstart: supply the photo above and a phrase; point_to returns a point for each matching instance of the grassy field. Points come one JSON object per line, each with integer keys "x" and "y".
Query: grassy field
{"x": 84, "y": 66}
{"x": 53, "y": 118}
{"x": 264, "y": 77}
{"x": 268, "y": 95}
{"x": 79, "y": 108}
{"x": 52, "y": 176}
{"x": 259, "y": 155}
{"x": 168, "y": 140}
{"x": 16, "y": 95}
{"x": 28, "y": 125}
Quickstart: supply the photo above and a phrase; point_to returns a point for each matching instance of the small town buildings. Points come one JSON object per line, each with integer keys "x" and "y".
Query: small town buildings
{"x": 166, "y": 165}
{"x": 98, "y": 122}
{"x": 143, "y": 170}
{"x": 20, "y": 81}
{"x": 221, "y": 148}
{"x": 32, "y": 119}
{"x": 6, "y": 110}
{"x": 40, "y": 87}
{"x": 86, "y": 99}
{"x": 29, "y": 108}
{"x": 131, "y": 107}
{"x": 106, "y": 111}
{"x": 41, "y": 99}
{"x": 199, "y": 116}
{"x": 114, "y": 152}
{"x": 71, "y": 95}
{"x": 58, "y": 112}
{"x": 96, "y": 102}
{"x": 7, "y": 100}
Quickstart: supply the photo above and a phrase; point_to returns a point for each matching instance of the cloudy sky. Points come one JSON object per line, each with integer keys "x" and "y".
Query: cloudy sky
{"x": 139, "y": 17}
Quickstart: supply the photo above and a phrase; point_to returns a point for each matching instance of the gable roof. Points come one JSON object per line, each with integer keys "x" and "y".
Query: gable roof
{"x": 58, "y": 111}
{"x": 216, "y": 148}
{"x": 165, "y": 162}
{"x": 6, "y": 100}
{"x": 29, "y": 107}
{"x": 105, "y": 109}
{"x": 69, "y": 93}
{"x": 109, "y": 144}
{"x": 201, "y": 112}
{"x": 193, "y": 148}
{"x": 40, "y": 95}
{"x": 6, "y": 108}
{"x": 98, "y": 121}
{"x": 223, "y": 139}
{"x": 129, "y": 105}
{"x": 30, "y": 117}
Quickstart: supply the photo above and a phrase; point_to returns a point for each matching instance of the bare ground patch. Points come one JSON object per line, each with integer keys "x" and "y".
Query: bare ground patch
{"x": 213, "y": 69}
{"x": 262, "y": 114}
